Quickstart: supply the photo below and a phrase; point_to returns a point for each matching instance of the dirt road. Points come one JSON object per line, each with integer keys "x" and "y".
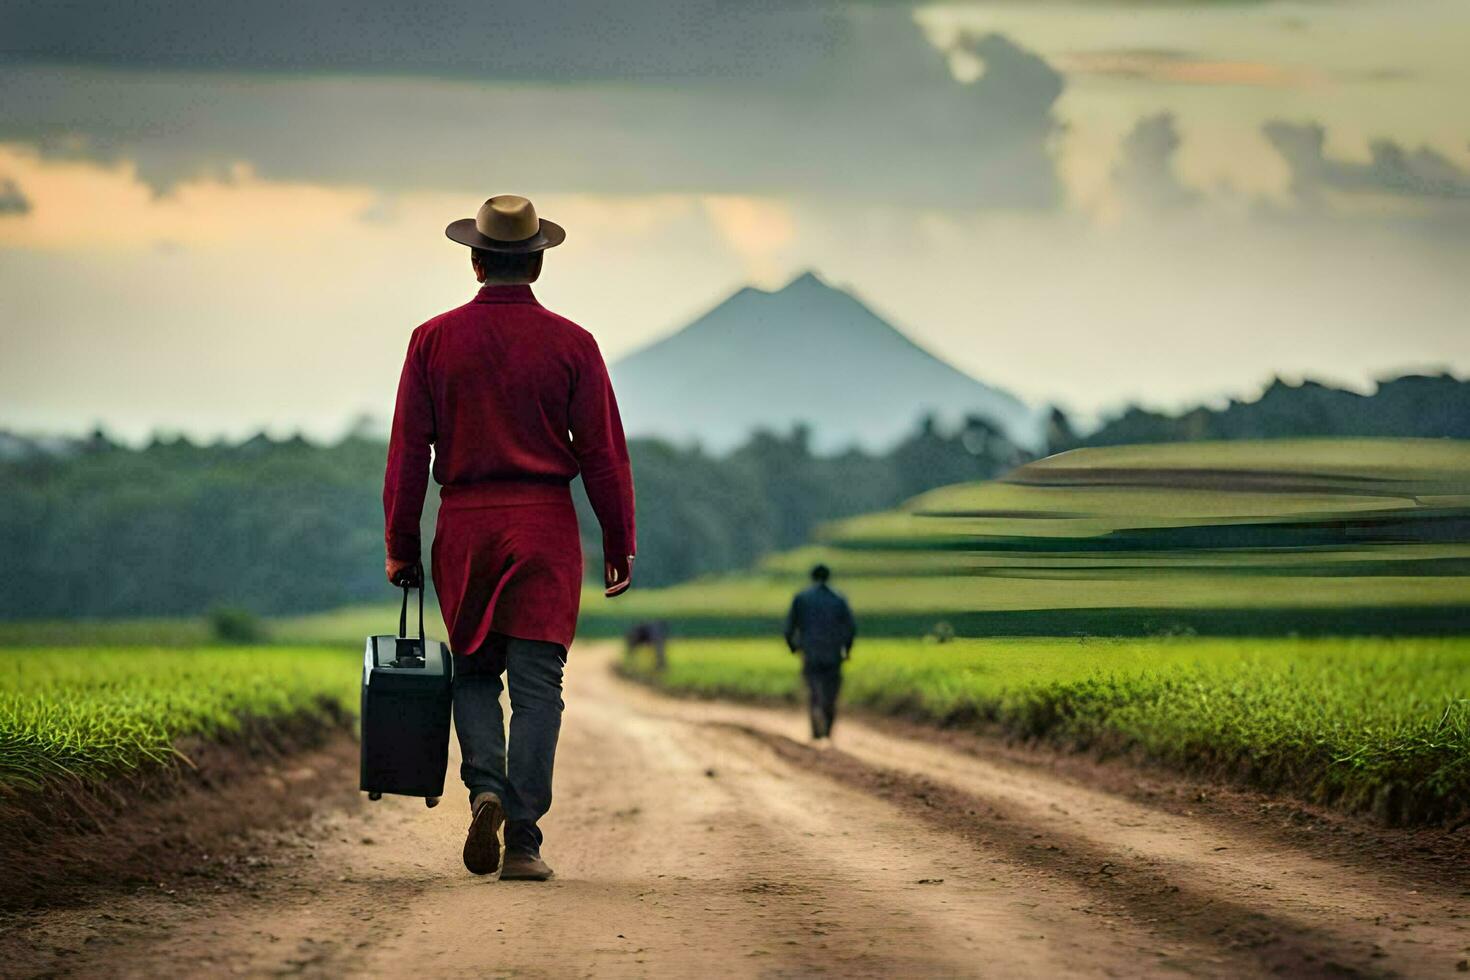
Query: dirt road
{"x": 708, "y": 840}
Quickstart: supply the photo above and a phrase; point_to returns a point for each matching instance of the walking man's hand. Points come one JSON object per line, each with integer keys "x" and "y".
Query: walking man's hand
{"x": 617, "y": 576}
{"x": 403, "y": 573}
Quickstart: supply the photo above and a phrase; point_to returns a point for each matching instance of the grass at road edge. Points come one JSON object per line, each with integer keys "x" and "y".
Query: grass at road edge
{"x": 91, "y": 713}
{"x": 1381, "y": 725}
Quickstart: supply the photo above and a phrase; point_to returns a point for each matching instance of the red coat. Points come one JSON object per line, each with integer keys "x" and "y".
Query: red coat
{"x": 515, "y": 402}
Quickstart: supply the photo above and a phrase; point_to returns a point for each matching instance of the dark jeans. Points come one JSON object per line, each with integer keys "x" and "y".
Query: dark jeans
{"x": 822, "y": 686}
{"x": 521, "y": 777}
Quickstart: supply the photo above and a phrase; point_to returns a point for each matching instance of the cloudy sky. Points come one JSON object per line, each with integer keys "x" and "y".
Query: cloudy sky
{"x": 217, "y": 216}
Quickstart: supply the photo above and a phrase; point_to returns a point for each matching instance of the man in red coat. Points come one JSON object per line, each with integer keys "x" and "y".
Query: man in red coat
{"x": 515, "y": 402}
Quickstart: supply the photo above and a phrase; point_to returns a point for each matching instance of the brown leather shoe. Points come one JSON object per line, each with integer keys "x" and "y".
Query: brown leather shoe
{"x": 524, "y": 866}
{"x": 482, "y": 843}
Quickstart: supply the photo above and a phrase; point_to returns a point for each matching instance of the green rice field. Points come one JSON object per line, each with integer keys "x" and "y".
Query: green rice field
{"x": 1363, "y": 723}
{"x": 91, "y": 713}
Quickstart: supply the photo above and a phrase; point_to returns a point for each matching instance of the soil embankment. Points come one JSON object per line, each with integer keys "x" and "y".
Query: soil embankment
{"x": 78, "y": 842}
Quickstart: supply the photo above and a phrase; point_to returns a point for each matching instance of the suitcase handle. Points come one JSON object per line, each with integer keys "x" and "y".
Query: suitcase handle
{"x": 403, "y": 613}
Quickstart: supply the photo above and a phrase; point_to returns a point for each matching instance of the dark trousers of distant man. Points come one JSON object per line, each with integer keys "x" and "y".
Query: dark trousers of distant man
{"x": 521, "y": 777}
{"x": 823, "y": 682}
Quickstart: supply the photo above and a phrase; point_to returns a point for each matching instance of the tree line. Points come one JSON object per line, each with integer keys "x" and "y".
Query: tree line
{"x": 93, "y": 528}
{"x": 1415, "y": 405}
{"x": 276, "y": 526}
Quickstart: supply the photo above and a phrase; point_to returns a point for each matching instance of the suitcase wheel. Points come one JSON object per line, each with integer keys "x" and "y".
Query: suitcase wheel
{"x": 431, "y": 801}
{"x": 375, "y": 796}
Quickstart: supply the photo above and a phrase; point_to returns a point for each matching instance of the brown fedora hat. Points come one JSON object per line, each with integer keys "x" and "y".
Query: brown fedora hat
{"x": 506, "y": 223}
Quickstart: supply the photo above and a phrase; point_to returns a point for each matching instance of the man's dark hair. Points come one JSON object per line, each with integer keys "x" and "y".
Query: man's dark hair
{"x": 821, "y": 573}
{"x": 525, "y": 266}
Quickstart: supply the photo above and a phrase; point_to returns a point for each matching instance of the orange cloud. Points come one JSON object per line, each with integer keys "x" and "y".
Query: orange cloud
{"x": 87, "y": 204}
{"x": 757, "y": 229}
{"x": 1179, "y": 68}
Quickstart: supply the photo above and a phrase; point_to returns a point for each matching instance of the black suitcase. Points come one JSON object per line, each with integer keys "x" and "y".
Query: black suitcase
{"x": 407, "y": 687}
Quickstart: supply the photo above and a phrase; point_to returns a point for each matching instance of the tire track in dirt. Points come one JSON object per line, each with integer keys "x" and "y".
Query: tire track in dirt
{"x": 1267, "y": 900}
{"x": 1123, "y": 886}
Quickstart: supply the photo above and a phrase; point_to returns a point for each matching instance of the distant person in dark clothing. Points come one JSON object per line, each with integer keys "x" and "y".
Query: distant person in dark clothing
{"x": 820, "y": 627}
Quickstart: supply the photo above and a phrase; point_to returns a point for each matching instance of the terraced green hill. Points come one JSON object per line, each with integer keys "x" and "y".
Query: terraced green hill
{"x": 1310, "y": 536}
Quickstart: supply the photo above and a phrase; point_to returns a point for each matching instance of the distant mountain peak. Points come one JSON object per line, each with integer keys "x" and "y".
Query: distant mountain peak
{"x": 800, "y": 282}
{"x": 808, "y": 352}
{"x": 806, "y": 280}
